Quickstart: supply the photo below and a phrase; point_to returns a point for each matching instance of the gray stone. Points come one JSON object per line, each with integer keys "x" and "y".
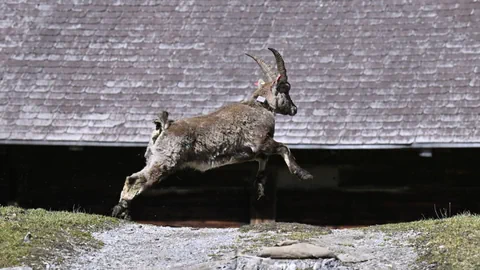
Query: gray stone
{"x": 296, "y": 251}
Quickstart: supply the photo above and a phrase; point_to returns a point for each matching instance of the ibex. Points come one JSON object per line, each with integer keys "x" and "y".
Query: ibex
{"x": 235, "y": 133}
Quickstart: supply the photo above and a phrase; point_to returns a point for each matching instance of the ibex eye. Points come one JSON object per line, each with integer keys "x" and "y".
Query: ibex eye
{"x": 283, "y": 87}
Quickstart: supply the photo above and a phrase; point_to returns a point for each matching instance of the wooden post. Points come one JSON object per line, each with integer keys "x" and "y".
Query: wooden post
{"x": 263, "y": 210}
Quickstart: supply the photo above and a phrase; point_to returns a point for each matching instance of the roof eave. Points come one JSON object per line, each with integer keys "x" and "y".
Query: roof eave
{"x": 292, "y": 146}
{"x": 383, "y": 146}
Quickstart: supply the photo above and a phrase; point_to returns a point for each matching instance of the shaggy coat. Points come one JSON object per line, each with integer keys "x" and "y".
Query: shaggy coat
{"x": 236, "y": 133}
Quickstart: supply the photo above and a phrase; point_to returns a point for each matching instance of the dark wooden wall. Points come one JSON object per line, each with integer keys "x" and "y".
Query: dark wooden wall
{"x": 56, "y": 177}
{"x": 364, "y": 186}
{"x": 381, "y": 186}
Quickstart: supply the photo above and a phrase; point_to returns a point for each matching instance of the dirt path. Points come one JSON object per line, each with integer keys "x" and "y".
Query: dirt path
{"x": 134, "y": 246}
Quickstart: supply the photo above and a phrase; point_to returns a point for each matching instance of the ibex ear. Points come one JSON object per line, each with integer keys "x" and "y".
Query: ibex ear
{"x": 260, "y": 82}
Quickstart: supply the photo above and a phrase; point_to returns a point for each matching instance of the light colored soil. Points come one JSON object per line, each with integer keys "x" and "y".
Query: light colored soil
{"x": 134, "y": 246}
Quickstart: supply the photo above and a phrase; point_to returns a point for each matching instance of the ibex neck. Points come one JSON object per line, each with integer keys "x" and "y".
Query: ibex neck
{"x": 259, "y": 101}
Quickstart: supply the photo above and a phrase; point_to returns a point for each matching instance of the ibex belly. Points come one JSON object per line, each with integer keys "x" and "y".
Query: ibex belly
{"x": 235, "y": 156}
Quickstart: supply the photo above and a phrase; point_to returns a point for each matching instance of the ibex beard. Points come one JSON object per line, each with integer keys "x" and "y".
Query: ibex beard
{"x": 236, "y": 133}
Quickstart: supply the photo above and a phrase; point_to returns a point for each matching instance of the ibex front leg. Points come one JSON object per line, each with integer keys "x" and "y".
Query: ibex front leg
{"x": 272, "y": 147}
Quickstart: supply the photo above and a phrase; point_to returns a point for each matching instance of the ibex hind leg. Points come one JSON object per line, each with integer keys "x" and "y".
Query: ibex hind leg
{"x": 261, "y": 178}
{"x": 273, "y": 147}
{"x": 136, "y": 184}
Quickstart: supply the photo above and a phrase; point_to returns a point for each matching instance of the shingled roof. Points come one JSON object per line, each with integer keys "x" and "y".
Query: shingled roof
{"x": 363, "y": 73}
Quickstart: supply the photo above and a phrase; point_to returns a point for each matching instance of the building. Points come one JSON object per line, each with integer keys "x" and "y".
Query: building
{"x": 388, "y": 95}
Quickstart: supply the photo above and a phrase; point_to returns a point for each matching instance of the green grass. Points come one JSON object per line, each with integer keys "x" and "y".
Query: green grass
{"x": 447, "y": 243}
{"x": 53, "y": 234}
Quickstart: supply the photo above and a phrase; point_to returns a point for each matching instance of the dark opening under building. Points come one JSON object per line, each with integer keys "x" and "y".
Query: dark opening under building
{"x": 388, "y": 98}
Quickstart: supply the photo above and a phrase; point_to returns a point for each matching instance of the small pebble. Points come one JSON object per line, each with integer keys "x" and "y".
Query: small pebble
{"x": 27, "y": 238}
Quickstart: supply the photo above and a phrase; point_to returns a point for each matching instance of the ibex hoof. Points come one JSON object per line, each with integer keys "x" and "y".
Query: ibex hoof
{"x": 303, "y": 174}
{"x": 260, "y": 191}
{"x": 126, "y": 216}
{"x": 120, "y": 211}
{"x": 117, "y": 210}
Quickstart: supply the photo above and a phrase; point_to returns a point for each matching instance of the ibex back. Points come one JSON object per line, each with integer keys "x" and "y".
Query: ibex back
{"x": 235, "y": 133}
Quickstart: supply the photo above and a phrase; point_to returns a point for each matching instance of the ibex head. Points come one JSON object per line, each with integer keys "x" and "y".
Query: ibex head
{"x": 275, "y": 88}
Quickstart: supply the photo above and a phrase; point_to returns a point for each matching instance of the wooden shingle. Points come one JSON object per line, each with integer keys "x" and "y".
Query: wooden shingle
{"x": 362, "y": 72}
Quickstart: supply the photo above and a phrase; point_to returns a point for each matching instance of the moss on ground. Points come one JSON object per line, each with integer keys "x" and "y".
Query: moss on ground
{"x": 52, "y": 234}
{"x": 269, "y": 234}
{"x": 284, "y": 227}
{"x": 447, "y": 243}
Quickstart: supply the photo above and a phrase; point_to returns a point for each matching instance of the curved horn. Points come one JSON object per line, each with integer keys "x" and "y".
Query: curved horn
{"x": 267, "y": 69}
{"x": 280, "y": 65}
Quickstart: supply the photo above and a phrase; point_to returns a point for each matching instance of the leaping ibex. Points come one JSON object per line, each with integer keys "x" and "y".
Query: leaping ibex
{"x": 235, "y": 133}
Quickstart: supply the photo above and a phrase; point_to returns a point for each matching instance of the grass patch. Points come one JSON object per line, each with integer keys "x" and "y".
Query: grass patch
{"x": 54, "y": 235}
{"x": 269, "y": 234}
{"x": 447, "y": 243}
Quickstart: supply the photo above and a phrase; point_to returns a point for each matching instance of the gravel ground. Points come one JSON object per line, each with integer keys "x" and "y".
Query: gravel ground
{"x": 134, "y": 246}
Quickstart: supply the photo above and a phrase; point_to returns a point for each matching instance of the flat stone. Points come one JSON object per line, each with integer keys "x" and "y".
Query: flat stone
{"x": 296, "y": 251}
{"x": 354, "y": 258}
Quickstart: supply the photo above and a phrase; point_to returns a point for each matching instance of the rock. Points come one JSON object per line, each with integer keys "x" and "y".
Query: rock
{"x": 354, "y": 258}
{"x": 27, "y": 238}
{"x": 286, "y": 243}
{"x": 296, "y": 251}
